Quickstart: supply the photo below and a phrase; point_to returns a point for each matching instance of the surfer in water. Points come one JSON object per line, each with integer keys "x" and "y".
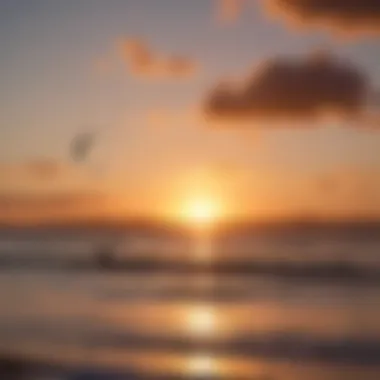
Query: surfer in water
{"x": 105, "y": 256}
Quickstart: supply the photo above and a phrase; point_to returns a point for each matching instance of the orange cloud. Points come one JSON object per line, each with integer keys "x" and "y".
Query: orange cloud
{"x": 349, "y": 178}
{"x": 34, "y": 169}
{"x": 292, "y": 89}
{"x": 49, "y": 206}
{"x": 347, "y": 16}
{"x": 351, "y": 188}
{"x": 45, "y": 169}
{"x": 142, "y": 60}
{"x": 229, "y": 10}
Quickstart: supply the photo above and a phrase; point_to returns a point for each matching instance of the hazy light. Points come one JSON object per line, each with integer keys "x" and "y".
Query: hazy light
{"x": 201, "y": 321}
{"x": 201, "y": 211}
{"x": 202, "y": 365}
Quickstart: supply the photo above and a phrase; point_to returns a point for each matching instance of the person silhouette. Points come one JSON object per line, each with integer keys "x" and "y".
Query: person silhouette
{"x": 105, "y": 256}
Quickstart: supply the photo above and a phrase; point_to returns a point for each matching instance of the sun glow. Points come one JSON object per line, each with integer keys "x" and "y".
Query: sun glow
{"x": 201, "y": 211}
{"x": 202, "y": 365}
{"x": 201, "y": 321}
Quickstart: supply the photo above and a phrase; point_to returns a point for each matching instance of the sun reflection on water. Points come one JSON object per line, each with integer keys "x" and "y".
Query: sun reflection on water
{"x": 201, "y": 321}
{"x": 202, "y": 365}
{"x": 203, "y": 249}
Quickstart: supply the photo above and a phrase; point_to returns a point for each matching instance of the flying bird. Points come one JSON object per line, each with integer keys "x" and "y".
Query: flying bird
{"x": 81, "y": 146}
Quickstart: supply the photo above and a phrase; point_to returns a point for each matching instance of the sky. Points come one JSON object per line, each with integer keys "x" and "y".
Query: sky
{"x": 255, "y": 108}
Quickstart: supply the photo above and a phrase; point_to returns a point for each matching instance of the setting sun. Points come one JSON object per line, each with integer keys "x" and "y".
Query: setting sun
{"x": 201, "y": 211}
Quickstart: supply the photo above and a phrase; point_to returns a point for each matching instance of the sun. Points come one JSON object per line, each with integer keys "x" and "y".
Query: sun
{"x": 201, "y": 211}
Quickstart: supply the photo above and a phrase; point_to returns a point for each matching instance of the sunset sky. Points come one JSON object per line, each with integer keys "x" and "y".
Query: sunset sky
{"x": 218, "y": 101}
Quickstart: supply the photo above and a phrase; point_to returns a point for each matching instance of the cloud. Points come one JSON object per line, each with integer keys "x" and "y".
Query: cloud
{"x": 355, "y": 187}
{"x": 350, "y": 177}
{"x": 39, "y": 169}
{"x": 44, "y": 169}
{"x": 43, "y": 201}
{"x": 19, "y": 206}
{"x": 228, "y": 10}
{"x": 282, "y": 89}
{"x": 347, "y": 16}
{"x": 142, "y": 60}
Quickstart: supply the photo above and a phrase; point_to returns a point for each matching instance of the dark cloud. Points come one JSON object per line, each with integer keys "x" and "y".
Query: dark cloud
{"x": 349, "y": 16}
{"x": 142, "y": 60}
{"x": 294, "y": 89}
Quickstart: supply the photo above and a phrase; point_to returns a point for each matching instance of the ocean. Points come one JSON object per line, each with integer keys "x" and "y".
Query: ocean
{"x": 294, "y": 305}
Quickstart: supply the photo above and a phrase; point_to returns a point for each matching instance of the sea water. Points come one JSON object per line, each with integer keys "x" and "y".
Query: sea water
{"x": 192, "y": 325}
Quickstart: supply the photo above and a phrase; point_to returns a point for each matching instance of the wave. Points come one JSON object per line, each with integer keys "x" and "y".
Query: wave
{"x": 275, "y": 347}
{"x": 330, "y": 271}
{"x": 27, "y": 369}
